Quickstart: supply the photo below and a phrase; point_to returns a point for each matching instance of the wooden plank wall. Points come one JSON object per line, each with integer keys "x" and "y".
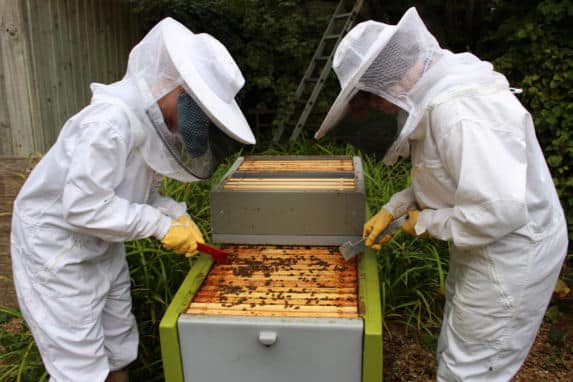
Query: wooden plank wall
{"x": 50, "y": 52}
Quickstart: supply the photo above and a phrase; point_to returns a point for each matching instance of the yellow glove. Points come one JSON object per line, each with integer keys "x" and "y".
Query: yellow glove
{"x": 374, "y": 226}
{"x": 408, "y": 226}
{"x": 183, "y": 236}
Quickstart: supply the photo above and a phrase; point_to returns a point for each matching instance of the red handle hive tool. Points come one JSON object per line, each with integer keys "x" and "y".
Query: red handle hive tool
{"x": 218, "y": 255}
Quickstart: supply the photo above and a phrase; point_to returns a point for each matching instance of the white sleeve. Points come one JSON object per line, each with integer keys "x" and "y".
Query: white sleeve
{"x": 167, "y": 205}
{"x": 489, "y": 166}
{"x": 90, "y": 204}
{"x": 401, "y": 202}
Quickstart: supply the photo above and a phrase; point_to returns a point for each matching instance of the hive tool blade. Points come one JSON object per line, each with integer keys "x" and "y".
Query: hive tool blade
{"x": 350, "y": 249}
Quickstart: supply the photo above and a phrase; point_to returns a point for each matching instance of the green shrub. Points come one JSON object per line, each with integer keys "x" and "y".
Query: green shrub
{"x": 531, "y": 44}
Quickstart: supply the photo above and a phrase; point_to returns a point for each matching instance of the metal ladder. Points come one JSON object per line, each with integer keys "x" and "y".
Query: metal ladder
{"x": 321, "y": 57}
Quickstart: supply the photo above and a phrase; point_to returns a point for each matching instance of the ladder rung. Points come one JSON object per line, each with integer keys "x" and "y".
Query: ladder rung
{"x": 312, "y": 79}
{"x": 322, "y": 58}
{"x": 343, "y": 15}
{"x": 331, "y": 36}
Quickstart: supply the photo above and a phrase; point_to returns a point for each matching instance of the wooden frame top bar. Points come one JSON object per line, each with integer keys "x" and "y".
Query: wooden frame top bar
{"x": 285, "y": 281}
{"x": 297, "y": 165}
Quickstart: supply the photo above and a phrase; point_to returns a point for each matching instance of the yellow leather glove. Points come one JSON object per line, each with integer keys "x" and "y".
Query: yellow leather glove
{"x": 408, "y": 226}
{"x": 374, "y": 226}
{"x": 183, "y": 236}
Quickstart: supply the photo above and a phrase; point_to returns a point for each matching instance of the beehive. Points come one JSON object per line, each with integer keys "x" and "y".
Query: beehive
{"x": 290, "y": 200}
{"x": 286, "y": 306}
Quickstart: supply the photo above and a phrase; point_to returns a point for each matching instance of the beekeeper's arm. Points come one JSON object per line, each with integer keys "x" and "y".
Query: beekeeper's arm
{"x": 167, "y": 205}
{"x": 398, "y": 205}
{"x": 488, "y": 164}
{"x": 401, "y": 202}
{"x": 183, "y": 234}
{"x": 90, "y": 204}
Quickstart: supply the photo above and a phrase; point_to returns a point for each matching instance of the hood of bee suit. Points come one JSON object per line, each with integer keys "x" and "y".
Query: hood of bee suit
{"x": 169, "y": 56}
{"x": 403, "y": 64}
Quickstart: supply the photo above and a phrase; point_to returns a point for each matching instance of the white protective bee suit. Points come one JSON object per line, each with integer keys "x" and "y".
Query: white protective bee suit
{"x": 480, "y": 180}
{"x": 93, "y": 190}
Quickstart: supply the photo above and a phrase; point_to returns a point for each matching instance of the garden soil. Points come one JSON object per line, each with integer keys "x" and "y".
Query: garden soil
{"x": 410, "y": 359}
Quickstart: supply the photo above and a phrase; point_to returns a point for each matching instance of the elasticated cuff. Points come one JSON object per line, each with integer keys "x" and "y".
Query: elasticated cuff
{"x": 163, "y": 227}
{"x": 424, "y": 220}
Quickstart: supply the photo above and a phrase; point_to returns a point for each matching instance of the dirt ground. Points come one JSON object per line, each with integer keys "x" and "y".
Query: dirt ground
{"x": 407, "y": 359}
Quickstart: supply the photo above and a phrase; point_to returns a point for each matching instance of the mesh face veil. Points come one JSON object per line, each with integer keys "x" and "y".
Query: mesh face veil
{"x": 193, "y": 126}
{"x": 400, "y": 64}
{"x": 198, "y": 145}
{"x": 365, "y": 126}
{"x": 403, "y": 64}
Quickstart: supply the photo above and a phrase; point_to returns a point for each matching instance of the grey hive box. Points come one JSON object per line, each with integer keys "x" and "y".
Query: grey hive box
{"x": 302, "y": 200}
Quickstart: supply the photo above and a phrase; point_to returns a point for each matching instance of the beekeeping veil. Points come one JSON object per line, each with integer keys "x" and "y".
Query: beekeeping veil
{"x": 170, "y": 55}
{"x": 403, "y": 64}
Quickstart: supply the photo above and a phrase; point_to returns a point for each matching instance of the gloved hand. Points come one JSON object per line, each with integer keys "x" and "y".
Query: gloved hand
{"x": 408, "y": 226}
{"x": 374, "y": 226}
{"x": 183, "y": 236}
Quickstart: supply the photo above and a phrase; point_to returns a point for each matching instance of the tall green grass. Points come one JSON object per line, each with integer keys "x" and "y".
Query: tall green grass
{"x": 411, "y": 271}
{"x": 19, "y": 357}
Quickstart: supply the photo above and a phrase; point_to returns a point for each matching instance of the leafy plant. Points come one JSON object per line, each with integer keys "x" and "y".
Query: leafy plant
{"x": 412, "y": 274}
{"x": 19, "y": 357}
{"x": 529, "y": 43}
{"x": 411, "y": 271}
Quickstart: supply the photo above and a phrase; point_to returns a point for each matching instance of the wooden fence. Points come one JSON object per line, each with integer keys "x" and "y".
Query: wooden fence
{"x": 50, "y": 52}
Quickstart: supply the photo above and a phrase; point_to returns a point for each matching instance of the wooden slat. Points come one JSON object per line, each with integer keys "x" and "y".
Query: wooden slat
{"x": 290, "y": 184}
{"x": 17, "y": 80}
{"x": 323, "y": 165}
{"x": 210, "y": 294}
{"x": 298, "y": 267}
{"x": 291, "y": 180}
{"x": 72, "y": 47}
{"x": 48, "y": 70}
{"x": 64, "y": 61}
{"x": 291, "y": 276}
{"x": 285, "y": 281}
{"x": 301, "y": 283}
{"x": 273, "y": 300}
{"x": 273, "y": 288}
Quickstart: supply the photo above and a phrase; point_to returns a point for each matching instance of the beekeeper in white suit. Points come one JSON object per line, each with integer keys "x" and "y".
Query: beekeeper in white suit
{"x": 173, "y": 114}
{"x": 479, "y": 180}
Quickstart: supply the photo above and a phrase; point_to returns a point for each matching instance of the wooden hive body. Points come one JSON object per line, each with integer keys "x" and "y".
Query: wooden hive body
{"x": 292, "y": 200}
